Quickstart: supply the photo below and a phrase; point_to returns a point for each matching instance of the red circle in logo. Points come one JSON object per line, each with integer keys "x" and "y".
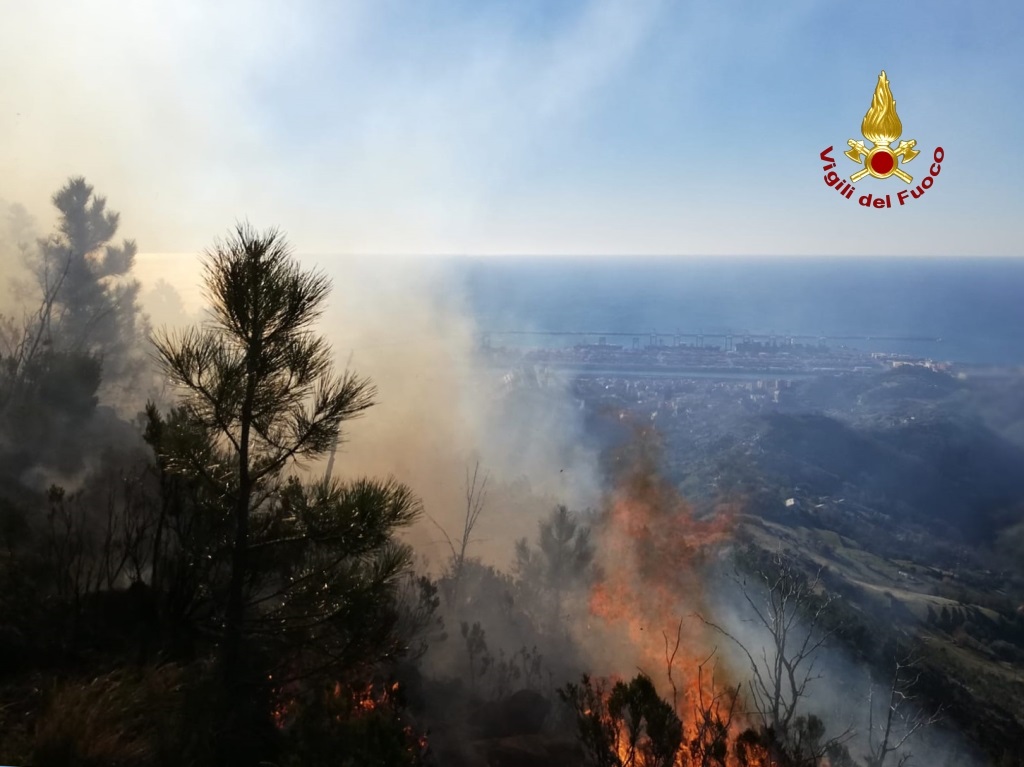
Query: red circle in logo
{"x": 882, "y": 163}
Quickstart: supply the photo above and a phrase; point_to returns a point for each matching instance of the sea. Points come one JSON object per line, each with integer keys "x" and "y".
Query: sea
{"x": 967, "y": 310}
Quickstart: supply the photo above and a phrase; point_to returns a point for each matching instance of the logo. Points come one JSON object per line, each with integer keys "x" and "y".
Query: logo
{"x": 881, "y": 128}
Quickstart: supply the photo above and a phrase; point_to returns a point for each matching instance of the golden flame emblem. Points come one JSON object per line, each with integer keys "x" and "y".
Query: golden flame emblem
{"x": 881, "y": 126}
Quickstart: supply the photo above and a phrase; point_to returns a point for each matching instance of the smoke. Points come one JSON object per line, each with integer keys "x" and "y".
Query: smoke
{"x": 359, "y": 126}
{"x": 405, "y": 324}
{"x": 842, "y": 691}
{"x": 652, "y": 555}
{"x": 442, "y": 409}
{"x": 74, "y": 364}
{"x": 18, "y": 234}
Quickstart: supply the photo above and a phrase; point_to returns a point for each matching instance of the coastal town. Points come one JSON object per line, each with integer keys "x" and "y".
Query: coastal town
{"x": 741, "y": 356}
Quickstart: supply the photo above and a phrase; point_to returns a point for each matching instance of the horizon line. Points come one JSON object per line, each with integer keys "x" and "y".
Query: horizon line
{"x": 372, "y": 254}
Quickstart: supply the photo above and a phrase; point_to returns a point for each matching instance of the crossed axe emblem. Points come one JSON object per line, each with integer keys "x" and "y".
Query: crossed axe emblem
{"x": 881, "y": 161}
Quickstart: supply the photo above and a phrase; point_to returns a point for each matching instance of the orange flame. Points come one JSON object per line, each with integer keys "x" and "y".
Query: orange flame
{"x": 881, "y": 124}
{"x": 348, "y": 702}
{"x": 283, "y": 712}
{"x": 652, "y": 548}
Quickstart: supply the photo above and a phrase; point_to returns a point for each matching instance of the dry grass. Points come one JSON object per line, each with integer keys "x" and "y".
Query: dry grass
{"x": 120, "y": 719}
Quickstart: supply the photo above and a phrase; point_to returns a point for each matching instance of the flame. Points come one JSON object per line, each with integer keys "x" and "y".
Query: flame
{"x": 365, "y": 699}
{"x": 708, "y": 739}
{"x": 347, "y": 702}
{"x": 651, "y": 544}
{"x": 283, "y": 712}
{"x": 881, "y": 124}
{"x": 651, "y": 550}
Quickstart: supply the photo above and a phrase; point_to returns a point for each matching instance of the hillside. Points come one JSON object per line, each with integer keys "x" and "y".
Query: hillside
{"x": 908, "y": 492}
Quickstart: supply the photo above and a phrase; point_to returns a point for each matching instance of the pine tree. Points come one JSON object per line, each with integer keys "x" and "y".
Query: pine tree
{"x": 93, "y": 306}
{"x": 312, "y": 568}
{"x": 562, "y": 558}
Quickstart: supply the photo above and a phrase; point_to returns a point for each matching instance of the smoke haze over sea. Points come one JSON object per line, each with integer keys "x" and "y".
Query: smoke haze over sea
{"x": 972, "y": 304}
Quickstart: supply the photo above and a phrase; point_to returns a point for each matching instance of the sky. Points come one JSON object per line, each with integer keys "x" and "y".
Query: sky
{"x": 601, "y": 127}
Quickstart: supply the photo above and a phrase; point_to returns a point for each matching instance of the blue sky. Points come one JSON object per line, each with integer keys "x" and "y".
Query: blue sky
{"x": 600, "y": 127}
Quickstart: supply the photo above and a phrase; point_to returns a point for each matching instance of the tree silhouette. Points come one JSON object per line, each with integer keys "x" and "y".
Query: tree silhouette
{"x": 897, "y": 717}
{"x": 84, "y": 335}
{"x": 90, "y": 300}
{"x": 562, "y": 557}
{"x": 310, "y": 567}
{"x": 789, "y": 609}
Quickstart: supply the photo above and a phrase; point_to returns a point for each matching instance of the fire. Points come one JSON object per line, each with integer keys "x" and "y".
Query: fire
{"x": 344, "y": 703}
{"x": 283, "y": 712}
{"x": 881, "y": 125}
{"x": 652, "y": 548}
{"x": 366, "y": 699}
{"x": 285, "y": 704}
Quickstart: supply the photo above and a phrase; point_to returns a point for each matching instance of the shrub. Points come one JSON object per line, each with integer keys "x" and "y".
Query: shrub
{"x": 150, "y": 717}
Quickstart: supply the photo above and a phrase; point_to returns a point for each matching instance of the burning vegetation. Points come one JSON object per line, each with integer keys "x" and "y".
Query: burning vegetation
{"x": 653, "y": 552}
{"x": 194, "y": 555}
{"x": 651, "y": 565}
{"x": 650, "y": 604}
